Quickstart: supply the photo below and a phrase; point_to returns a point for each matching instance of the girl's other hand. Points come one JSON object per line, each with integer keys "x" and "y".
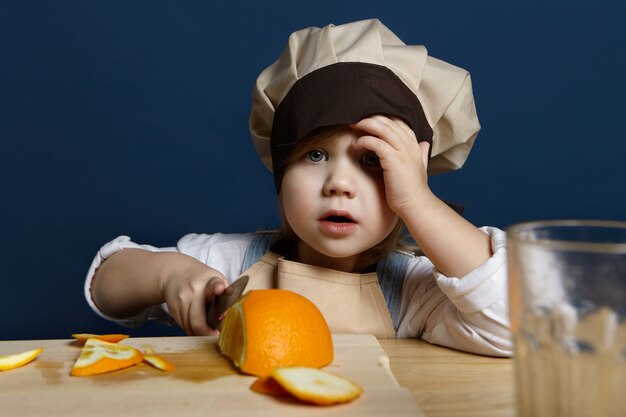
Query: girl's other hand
{"x": 402, "y": 158}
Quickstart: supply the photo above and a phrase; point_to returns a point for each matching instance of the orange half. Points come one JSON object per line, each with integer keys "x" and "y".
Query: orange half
{"x": 272, "y": 328}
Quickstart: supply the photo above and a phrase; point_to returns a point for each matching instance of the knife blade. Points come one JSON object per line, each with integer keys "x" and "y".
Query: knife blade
{"x": 221, "y": 303}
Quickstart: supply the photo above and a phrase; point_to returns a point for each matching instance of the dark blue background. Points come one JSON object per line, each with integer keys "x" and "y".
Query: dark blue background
{"x": 130, "y": 117}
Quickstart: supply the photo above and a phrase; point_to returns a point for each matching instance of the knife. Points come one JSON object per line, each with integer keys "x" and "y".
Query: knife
{"x": 221, "y": 303}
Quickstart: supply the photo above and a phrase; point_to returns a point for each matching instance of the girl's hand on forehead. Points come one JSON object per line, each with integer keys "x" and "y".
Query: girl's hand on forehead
{"x": 402, "y": 158}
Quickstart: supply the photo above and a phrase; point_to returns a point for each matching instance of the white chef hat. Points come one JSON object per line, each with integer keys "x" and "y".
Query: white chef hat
{"x": 341, "y": 74}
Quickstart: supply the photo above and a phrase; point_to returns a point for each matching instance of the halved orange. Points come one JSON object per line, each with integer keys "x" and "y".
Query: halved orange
{"x": 316, "y": 386}
{"x": 113, "y": 338}
{"x": 18, "y": 359}
{"x": 99, "y": 357}
{"x": 266, "y": 329}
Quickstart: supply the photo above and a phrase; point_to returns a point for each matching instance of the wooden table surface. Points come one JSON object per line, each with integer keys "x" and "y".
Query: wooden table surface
{"x": 448, "y": 383}
{"x": 433, "y": 381}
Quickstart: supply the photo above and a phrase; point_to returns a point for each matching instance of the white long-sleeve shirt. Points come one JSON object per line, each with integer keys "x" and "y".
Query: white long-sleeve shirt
{"x": 468, "y": 313}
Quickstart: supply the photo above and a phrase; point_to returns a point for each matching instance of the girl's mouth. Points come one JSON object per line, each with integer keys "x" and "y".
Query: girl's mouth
{"x": 338, "y": 219}
{"x": 337, "y": 216}
{"x": 337, "y": 224}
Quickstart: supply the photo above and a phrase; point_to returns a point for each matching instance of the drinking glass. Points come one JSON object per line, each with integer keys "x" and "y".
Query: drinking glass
{"x": 567, "y": 296}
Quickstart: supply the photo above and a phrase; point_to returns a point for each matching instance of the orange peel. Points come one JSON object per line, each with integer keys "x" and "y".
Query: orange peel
{"x": 316, "y": 386}
{"x": 99, "y": 357}
{"x": 17, "y": 360}
{"x": 113, "y": 338}
{"x": 158, "y": 362}
{"x": 268, "y": 385}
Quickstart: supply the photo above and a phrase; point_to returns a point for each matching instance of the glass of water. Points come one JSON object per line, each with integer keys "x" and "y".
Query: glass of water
{"x": 567, "y": 286}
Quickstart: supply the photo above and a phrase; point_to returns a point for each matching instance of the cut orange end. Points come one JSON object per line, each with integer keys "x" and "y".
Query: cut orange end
{"x": 158, "y": 362}
{"x": 268, "y": 385}
{"x": 99, "y": 357}
{"x": 266, "y": 329}
{"x": 113, "y": 338}
{"x": 19, "y": 359}
{"x": 316, "y": 386}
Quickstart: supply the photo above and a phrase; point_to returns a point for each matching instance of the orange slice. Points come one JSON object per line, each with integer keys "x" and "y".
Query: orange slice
{"x": 316, "y": 386}
{"x": 19, "y": 359}
{"x": 99, "y": 357}
{"x": 113, "y": 338}
{"x": 268, "y": 385}
{"x": 158, "y": 362}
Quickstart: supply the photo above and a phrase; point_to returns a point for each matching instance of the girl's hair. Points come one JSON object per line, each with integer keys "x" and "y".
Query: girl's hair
{"x": 286, "y": 241}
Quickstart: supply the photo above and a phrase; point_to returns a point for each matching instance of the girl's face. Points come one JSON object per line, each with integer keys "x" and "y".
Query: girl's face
{"x": 333, "y": 197}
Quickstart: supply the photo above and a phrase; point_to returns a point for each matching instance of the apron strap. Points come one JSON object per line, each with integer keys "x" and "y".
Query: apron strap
{"x": 260, "y": 244}
{"x": 391, "y": 272}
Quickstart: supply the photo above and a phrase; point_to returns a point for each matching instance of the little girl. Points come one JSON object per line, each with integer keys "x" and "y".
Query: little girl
{"x": 350, "y": 120}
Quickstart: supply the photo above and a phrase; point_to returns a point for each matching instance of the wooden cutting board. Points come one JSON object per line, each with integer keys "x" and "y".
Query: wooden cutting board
{"x": 203, "y": 384}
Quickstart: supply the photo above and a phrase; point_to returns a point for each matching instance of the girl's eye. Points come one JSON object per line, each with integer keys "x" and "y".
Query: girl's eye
{"x": 370, "y": 159}
{"x": 316, "y": 155}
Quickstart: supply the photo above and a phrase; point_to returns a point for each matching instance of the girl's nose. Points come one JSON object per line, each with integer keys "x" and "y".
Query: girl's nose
{"x": 340, "y": 181}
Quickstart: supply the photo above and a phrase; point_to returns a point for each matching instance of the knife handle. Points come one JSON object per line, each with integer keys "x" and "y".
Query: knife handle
{"x": 222, "y": 302}
{"x": 212, "y": 316}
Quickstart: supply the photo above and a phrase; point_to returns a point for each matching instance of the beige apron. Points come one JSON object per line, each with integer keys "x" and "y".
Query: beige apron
{"x": 350, "y": 303}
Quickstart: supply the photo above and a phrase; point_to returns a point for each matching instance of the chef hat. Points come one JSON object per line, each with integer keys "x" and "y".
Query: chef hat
{"x": 341, "y": 74}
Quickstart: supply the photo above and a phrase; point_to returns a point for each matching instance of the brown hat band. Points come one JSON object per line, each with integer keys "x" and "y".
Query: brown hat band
{"x": 341, "y": 93}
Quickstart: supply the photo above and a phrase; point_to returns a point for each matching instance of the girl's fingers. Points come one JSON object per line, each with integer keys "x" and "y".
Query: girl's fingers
{"x": 424, "y": 146}
{"x": 383, "y": 128}
{"x": 371, "y": 143}
{"x": 374, "y": 144}
{"x": 214, "y": 286}
{"x": 198, "y": 306}
{"x": 191, "y": 304}
{"x": 405, "y": 127}
{"x": 197, "y": 318}
{"x": 389, "y": 129}
{"x": 377, "y": 125}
